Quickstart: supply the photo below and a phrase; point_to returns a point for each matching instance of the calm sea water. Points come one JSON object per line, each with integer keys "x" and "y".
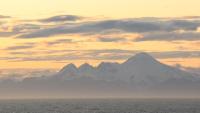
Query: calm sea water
{"x": 101, "y": 106}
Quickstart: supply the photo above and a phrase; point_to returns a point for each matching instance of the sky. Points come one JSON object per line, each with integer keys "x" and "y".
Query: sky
{"x": 51, "y": 34}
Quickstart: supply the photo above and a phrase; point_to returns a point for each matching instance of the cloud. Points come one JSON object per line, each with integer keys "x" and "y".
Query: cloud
{"x": 61, "y": 18}
{"x": 105, "y": 54}
{"x": 149, "y": 28}
{"x": 170, "y": 36}
{"x": 3, "y": 16}
{"x": 21, "y": 47}
{"x": 62, "y": 55}
{"x": 26, "y": 27}
{"x": 19, "y": 74}
{"x": 23, "y": 52}
{"x": 185, "y": 24}
{"x": 189, "y": 17}
{"x": 95, "y": 28}
{"x": 9, "y": 58}
{"x": 192, "y": 70}
{"x": 8, "y": 31}
{"x": 124, "y": 25}
{"x": 110, "y": 39}
{"x": 176, "y": 54}
{"x": 60, "y": 41}
{"x": 69, "y": 57}
{"x": 7, "y": 34}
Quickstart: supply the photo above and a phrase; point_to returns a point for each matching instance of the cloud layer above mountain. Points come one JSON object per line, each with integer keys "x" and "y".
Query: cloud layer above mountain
{"x": 70, "y": 38}
{"x": 170, "y": 28}
{"x": 151, "y": 29}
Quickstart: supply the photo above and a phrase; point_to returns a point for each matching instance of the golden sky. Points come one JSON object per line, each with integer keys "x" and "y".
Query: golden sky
{"x": 53, "y": 33}
{"x": 107, "y": 8}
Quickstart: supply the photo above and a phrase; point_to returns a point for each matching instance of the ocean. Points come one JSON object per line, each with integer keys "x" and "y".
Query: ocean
{"x": 101, "y": 106}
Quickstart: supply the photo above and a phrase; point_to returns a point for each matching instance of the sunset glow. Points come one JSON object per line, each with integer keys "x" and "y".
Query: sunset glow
{"x": 51, "y": 34}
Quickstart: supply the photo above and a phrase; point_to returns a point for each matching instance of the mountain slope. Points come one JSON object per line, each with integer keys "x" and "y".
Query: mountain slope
{"x": 141, "y": 68}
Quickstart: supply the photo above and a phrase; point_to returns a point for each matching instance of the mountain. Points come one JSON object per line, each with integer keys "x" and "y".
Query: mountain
{"x": 144, "y": 68}
{"x": 68, "y": 72}
{"x": 139, "y": 69}
{"x": 86, "y": 70}
{"x": 107, "y": 71}
{"x": 139, "y": 76}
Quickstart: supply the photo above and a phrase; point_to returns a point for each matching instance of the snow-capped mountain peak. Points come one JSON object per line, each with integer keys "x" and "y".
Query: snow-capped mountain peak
{"x": 142, "y": 67}
{"x": 141, "y": 58}
{"x": 69, "y": 70}
{"x": 68, "y": 67}
{"x": 85, "y": 66}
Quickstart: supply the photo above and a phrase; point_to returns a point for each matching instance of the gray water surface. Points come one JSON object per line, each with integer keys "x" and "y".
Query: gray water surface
{"x": 101, "y": 106}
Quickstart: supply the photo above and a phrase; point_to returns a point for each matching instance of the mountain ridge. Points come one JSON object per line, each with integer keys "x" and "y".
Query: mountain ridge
{"x": 139, "y": 76}
{"x": 140, "y": 67}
